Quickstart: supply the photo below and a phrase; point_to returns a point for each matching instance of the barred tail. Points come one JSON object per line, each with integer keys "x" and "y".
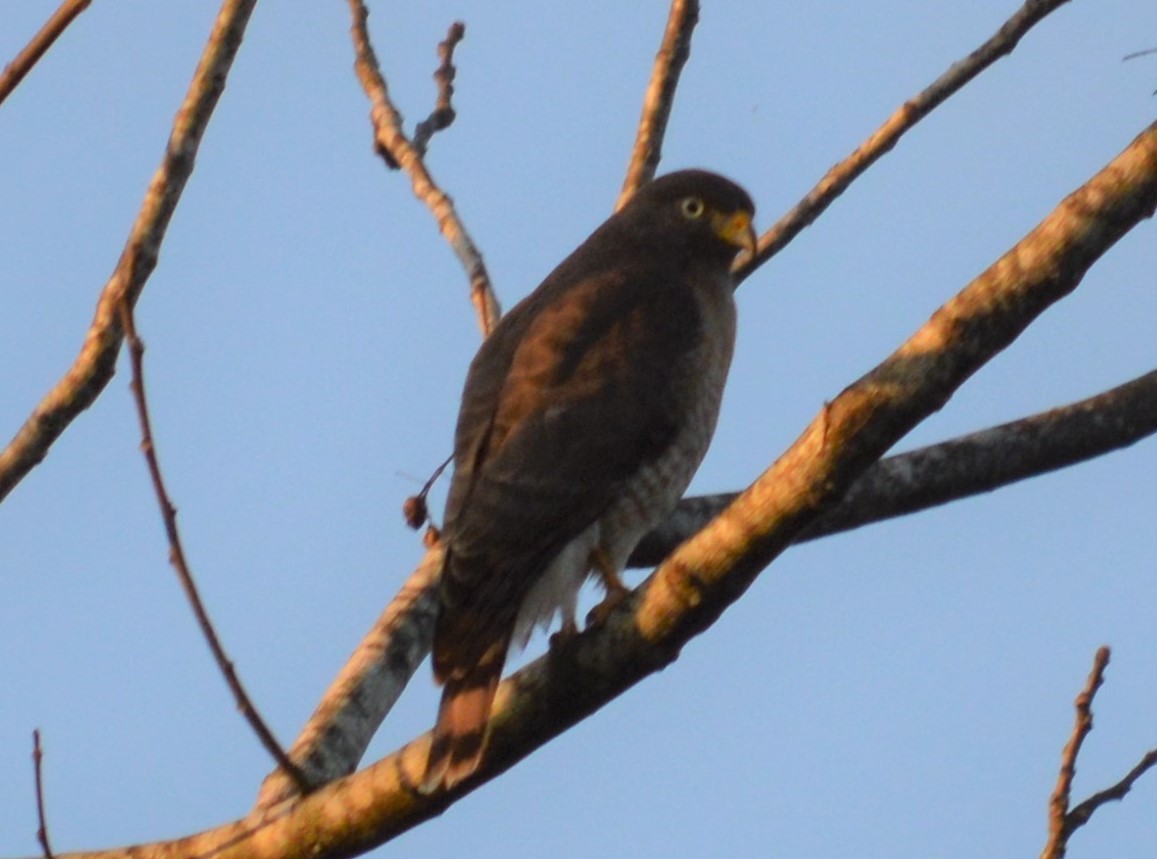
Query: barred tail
{"x": 461, "y": 733}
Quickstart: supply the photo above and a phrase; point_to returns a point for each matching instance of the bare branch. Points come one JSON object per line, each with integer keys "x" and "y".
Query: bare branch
{"x": 1137, "y": 54}
{"x": 673, "y": 54}
{"x": 95, "y": 365}
{"x": 955, "y": 469}
{"x": 706, "y": 574}
{"x": 1063, "y": 822}
{"x": 443, "y": 113}
{"x": 1059, "y": 802}
{"x": 400, "y": 153}
{"x": 180, "y": 564}
{"x": 1080, "y": 815}
{"x": 837, "y": 179}
{"x": 15, "y": 71}
{"x": 42, "y": 823}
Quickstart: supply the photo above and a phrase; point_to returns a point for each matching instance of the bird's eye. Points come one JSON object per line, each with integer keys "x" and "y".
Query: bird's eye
{"x": 692, "y": 207}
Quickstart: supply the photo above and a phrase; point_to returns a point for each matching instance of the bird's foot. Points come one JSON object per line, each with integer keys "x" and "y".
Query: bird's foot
{"x": 612, "y": 583}
{"x": 566, "y": 632}
{"x": 617, "y": 592}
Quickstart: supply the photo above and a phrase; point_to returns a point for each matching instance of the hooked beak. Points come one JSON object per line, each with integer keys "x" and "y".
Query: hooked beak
{"x": 736, "y": 228}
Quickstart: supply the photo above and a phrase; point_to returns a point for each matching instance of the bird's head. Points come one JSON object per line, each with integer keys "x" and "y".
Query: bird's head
{"x": 704, "y": 211}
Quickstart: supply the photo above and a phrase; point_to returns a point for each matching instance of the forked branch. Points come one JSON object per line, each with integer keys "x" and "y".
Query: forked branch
{"x": 400, "y": 152}
{"x": 1063, "y": 822}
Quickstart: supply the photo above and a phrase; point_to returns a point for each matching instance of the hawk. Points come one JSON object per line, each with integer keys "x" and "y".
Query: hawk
{"x": 584, "y": 417}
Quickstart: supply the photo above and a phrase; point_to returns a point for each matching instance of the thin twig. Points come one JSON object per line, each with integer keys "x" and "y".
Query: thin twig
{"x": 1080, "y": 815}
{"x": 1137, "y": 54}
{"x": 443, "y": 113}
{"x": 15, "y": 71}
{"x": 839, "y": 177}
{"x": 94, "y": 366}
{"x": 400, "y": 153}
{"x": 1059, "y": 801}
{"x": 1063, "y": 822}
{"x": 136, "y": 349}
{"x": 673, "y": 53}
{"x": 42, "y": 823}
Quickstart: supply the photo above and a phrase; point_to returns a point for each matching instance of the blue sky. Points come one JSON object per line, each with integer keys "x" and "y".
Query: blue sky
{"x": 902, "y": 690}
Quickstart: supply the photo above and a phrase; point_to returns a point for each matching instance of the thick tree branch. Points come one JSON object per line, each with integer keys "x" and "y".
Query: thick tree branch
{"x": 673, "y": 54}
{"x": 95, "y": 365}
{"x": 400, "y": 153}
{"x": 837, "y": 179}
{"x": 713, "y": 569}
{"x": 955, "y": 469}
{"x": 15, "y": 71}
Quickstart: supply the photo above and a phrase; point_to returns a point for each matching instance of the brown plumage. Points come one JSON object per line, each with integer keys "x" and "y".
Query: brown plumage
{"x": 584, "y": 416}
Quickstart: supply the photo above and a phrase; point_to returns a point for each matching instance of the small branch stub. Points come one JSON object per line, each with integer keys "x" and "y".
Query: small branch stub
{"x": 37, "y": 769}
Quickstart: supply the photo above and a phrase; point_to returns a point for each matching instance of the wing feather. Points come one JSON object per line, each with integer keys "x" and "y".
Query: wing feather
{"x": 588, "y": 394}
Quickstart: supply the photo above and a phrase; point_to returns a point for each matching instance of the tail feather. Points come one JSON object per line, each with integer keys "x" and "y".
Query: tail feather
{"x": 463, "y": 716}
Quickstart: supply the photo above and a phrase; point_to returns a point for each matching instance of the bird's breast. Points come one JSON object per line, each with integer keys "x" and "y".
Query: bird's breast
{"x": 698, "y": 380}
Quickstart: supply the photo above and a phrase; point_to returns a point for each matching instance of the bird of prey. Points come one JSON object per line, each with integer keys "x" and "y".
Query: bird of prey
{"x": 584, "y": 417}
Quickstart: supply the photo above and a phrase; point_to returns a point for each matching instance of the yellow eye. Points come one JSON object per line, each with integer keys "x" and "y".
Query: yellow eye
{"x": 692, "y": 207}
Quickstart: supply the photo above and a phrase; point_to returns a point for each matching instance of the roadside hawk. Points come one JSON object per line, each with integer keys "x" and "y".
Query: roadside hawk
{"x": 584, "y": 416}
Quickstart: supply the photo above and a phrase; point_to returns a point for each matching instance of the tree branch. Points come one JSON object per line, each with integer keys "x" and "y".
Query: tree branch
{"x": 443, "y": 113}
{"x": 15, "y": 71}
{"x": 952, "y": 470}
{"x": 400, "y": 153}
{"x": 95, "y": 365}
{"x": 713, "y": 569}
{"x": 41, "y": 817}
{"x": 837, "y": 179}
{"x": 1059, "y": 802}
{"x": 1080, "y": 815}
{"x": 673, "y": 54}
{"x": 1063, "y": 822}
